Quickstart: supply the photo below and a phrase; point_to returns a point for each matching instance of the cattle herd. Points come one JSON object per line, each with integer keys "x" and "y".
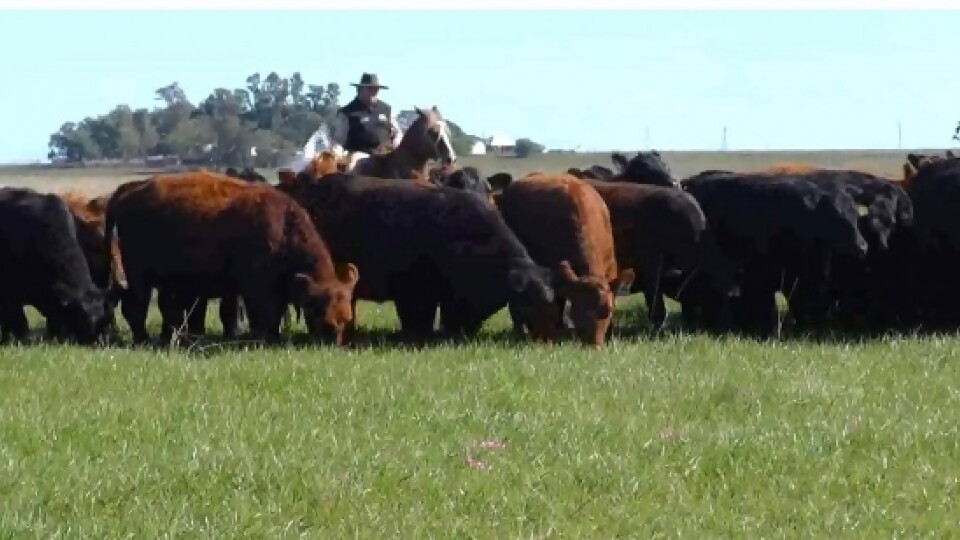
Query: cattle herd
{"x": 850, "y": 251}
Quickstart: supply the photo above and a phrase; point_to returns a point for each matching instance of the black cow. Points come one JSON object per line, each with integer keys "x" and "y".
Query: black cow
{"x": 932, "y": 255}
{"x": 776, "y": 226}
{"x": 657, "y": 232}
{"x": 425, "y": 247}
{"x": 44, "y": 267}
{"x": 862, "y": 287}
{"x": 465, "y": 179}
{"x": 500, "y": 181}
{"x": 643, "y": 168}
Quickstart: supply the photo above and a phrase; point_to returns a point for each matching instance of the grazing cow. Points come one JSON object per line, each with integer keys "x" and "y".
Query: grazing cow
{"x": 656, "y": 231}
{"x": 45, "y": 267}
{"x": 934, "y": 256}
{"x": 564, "y": 224}
{"x": 776, "y": 225}
{"x": 88, "y": 213}
{"x": 423, "y": 246}
{"x": 203, "y": 235}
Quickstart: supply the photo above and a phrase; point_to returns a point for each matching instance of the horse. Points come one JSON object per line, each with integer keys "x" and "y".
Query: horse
{"x": 427, "y": 139}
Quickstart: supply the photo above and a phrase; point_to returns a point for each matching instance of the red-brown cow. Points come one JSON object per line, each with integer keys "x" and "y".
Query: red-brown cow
{"x": 89, "y": 214}
{"x": 565, "y": 225}
{"x": 205, "y": 235}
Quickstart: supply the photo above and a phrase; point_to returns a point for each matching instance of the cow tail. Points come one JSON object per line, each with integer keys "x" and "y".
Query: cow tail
{"x": 117, "y": 277}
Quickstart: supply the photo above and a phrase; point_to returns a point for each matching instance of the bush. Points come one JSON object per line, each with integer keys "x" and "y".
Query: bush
{"x": 526, "y": 147}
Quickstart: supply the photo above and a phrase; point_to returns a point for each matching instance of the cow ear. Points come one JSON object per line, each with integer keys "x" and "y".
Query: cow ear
{"x": 565, "y": 272}
{"x": 621, "y": 286}
{"x": 909, "y": 171}
{"x": 418, "y": 110}
{"x": 348, "y": 274}
{"x": 300, "y": 288}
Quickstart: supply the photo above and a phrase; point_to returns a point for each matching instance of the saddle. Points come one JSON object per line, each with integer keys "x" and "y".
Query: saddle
{"x": 382, "y": 150}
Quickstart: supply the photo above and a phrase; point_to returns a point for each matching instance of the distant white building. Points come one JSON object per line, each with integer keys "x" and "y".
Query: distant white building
{"x": 500, "y": 144}
{"x": 478, "y": 148}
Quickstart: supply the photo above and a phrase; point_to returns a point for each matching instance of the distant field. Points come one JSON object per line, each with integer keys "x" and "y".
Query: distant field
{"x": 885, "y": 162}
{"x": 676, "y": 435}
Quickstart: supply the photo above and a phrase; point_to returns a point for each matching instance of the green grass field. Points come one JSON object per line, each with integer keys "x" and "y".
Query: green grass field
{"x": 672, "y": 436}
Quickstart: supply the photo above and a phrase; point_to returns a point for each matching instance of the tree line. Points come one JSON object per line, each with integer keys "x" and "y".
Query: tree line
{"x": 261, "y": 124}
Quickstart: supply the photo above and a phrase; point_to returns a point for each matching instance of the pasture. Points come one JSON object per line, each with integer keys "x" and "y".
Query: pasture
{"x": 674, "y": 435}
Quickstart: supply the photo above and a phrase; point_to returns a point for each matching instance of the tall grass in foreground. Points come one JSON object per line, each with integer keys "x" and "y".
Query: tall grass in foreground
{"x": 682, "y": 435}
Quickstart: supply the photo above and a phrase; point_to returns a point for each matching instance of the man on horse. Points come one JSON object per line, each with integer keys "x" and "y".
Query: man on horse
{"x": 364, "y": 125}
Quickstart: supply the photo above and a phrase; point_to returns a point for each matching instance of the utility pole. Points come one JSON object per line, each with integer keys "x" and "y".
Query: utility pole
{"x": 899, "y": 135}
{"x": 723, "y": 144}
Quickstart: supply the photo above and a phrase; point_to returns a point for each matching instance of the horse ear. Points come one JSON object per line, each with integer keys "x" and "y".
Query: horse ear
{"x": 435, "y": 109}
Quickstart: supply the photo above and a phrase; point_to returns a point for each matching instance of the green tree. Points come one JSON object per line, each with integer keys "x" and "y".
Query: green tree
{"x": 261, "y": 123}
{"x": 526, "y": 147}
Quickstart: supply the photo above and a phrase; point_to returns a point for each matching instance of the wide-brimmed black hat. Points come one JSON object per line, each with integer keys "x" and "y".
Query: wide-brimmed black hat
{"x": 370, "y": 79}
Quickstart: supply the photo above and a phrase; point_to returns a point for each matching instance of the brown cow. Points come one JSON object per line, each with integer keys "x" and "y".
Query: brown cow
{"x": 786, "y": 168}
{"x": 89, "y": 214}
{"x": 565, "y": 225}
{"x": 657, "y": 231}
{"x": 205, "y": 235}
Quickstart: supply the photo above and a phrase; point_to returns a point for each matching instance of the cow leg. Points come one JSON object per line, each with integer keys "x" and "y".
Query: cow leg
{"x": 264, "y": 314}
{"x": 759, "y": 312}
{"x": 172, "y": 312}
{"x": 55, "y": 328}
{"x": 417, "y": 316}
{"x": 650, "y": 270}
{"x": 134, "y": 305}
{"x": 350, "y": 332}
{"x": 14, "y": 323}
{"x": 229, "y": 315}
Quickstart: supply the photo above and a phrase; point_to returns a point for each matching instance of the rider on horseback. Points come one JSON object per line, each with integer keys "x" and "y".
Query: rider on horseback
{"x": 364, "y": 125}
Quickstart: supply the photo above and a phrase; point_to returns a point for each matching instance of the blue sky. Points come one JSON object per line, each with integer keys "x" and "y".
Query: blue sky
{"x": 598, "y": 80}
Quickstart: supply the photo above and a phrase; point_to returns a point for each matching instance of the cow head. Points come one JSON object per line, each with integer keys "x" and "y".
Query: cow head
{"x": 644, "y": 168}
{"x": 327, "y": 305}
{"x": 87, "y": 316}
{"x": 466, "y": 179}
{"x": 533, "y": 299}
{"x": 591, "y": 301}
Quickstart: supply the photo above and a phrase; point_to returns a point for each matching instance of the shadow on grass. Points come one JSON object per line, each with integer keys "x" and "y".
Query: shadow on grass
{"x": 631, "y": 324}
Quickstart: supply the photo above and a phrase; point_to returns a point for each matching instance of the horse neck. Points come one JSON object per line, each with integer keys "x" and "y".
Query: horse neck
{"x": 407, "y": 159}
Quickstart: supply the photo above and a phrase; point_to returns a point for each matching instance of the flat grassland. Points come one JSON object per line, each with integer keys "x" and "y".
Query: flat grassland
{"x": 677, "y": 435}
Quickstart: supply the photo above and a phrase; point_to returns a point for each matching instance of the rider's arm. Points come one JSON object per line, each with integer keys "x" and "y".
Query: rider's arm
{"x": 338, "y": 133}
{"x": 397, "y": 132}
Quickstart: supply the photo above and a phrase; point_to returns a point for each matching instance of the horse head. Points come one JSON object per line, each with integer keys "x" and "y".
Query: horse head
{"x": 428, "y": 137}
